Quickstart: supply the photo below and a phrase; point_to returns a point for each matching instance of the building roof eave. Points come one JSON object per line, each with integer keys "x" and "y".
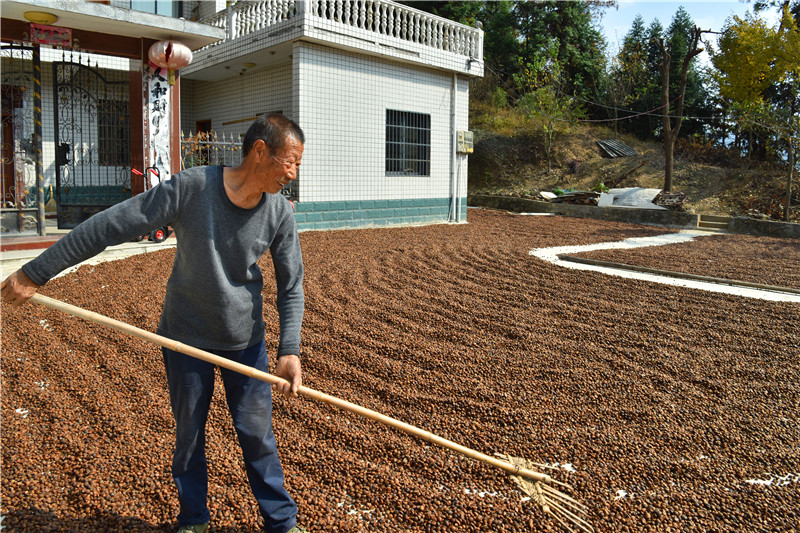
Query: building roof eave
{"x": 91, "y": 16}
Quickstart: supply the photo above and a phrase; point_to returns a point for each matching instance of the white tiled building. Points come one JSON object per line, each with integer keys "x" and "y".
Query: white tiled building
{"x": 380, "y": 89}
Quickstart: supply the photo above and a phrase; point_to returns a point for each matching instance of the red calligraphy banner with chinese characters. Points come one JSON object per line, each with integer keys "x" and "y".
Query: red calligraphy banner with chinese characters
{"x": 52, "y": 35}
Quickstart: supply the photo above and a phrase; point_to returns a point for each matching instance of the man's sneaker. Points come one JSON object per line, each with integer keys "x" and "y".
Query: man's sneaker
{"x": 298, "y": 529}
{"x": 194, "y": 528}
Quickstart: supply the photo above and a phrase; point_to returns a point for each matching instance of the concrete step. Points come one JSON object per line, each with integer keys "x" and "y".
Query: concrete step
{"x": 715, "y": 218}
{"x": 712, "y": 225}
{"x": 713, "y": 222}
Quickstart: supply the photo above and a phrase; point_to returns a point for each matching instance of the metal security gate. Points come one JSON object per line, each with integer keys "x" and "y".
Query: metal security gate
{"x": 92, "y": 139}
{"x": 209, "y": 148}
{"x": 21, "y": 101}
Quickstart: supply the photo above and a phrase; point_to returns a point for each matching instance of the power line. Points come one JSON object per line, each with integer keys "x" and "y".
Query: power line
{"x": 649, "y": 112}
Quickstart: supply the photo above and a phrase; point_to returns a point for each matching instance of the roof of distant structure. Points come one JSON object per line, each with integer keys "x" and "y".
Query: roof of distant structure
{"x": 616, "y": 148}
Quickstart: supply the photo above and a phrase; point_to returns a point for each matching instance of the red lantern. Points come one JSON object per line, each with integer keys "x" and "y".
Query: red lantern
{"x": 170, "y": 55}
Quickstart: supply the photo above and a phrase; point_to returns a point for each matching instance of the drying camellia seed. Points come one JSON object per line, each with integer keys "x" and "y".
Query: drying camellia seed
{"x": 661, "y": 406}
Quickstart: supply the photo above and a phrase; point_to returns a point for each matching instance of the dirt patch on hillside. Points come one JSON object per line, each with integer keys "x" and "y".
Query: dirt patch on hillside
{"x": 673, "y": 406}
{"x": 715, "y": 180}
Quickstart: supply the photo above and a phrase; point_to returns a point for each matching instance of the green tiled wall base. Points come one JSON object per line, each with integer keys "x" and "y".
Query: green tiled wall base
{"x": 360, "y": 213}
{"x": 91, "y": 195}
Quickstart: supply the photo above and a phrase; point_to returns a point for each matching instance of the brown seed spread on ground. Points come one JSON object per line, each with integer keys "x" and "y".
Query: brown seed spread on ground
{"x": 667, "y": 401}
{"x": 768, "y": 260}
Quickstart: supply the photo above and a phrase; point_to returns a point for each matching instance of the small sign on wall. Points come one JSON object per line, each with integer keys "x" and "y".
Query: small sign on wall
{"x": 52, "y": 35}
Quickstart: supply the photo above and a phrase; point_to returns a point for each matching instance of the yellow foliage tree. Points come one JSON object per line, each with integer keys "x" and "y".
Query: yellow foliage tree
{"x": 758, "y": 68}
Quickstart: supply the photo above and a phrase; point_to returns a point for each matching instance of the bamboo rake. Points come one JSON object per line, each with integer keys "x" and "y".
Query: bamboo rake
{"x": 534, "y": 483}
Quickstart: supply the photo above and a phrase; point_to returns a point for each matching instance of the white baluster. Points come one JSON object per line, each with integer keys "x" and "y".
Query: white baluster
{"x": 428, "y": 31}
{"x": 247, "y": 19}
{"x": 371, "y": 22}
{"x": 242, "y": 20}
{"x": 338, "y": 16}
{"x": 347, "y": 12}
{"x": 232, "y": 22}
{"x": 390, "y": 22}
{"x": 417, "y": 18}
{"x": 383, "y": 19}
{"x": 361, "y": 14}
{"x": 262, "y": 14}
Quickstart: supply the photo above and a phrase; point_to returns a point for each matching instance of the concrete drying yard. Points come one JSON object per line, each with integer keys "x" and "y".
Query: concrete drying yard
{"x": 667, "y": 408}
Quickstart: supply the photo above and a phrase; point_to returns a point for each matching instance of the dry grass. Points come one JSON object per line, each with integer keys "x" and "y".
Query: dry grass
{"x": 508, "y": 161}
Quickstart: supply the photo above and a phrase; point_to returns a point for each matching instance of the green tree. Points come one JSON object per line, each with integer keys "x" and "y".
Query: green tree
{"x": 580, "y": 45}
{"x": 628, "y": 78}
{"x": 501, "y": 44}
{"x": 516, "y": 31}
{"x": 672, "y": 125}
{"x": 633, "y": 53}
{"x": 793, "y": 5}
{"x": 551, "y": 111}
{"x": 696, "y": 98}
{"x": 648, "y": 125}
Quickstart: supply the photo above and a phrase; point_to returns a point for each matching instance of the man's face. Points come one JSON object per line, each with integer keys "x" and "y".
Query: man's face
{"x": 282, "y": 167}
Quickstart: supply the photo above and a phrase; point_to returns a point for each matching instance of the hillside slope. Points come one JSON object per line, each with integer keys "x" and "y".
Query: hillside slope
{"x": 716, "y": 181}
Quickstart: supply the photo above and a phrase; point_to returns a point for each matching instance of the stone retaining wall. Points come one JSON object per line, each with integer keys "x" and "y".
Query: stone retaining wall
{"x": 656, "y": 217}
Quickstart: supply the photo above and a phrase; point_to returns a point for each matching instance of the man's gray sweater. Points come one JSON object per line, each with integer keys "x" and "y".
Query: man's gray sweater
{"x": 213, "y": 298}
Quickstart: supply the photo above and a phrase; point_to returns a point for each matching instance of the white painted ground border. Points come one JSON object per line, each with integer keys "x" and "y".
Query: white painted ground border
{"x": 551, "y": 255}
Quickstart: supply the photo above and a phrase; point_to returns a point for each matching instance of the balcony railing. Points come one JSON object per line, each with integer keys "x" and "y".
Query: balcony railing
{"x": 379, "y": 16}
{"x": 243, "y": 18}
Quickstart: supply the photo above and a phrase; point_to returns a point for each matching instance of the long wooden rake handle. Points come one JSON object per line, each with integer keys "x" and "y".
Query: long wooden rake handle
{"x": 304, "y": 391}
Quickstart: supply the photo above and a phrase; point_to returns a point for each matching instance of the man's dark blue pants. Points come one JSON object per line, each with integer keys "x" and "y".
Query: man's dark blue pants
{"x": 191, "y": 386}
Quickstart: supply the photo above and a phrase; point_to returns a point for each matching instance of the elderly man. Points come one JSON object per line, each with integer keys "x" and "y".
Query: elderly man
{"x": 225, "y": 219}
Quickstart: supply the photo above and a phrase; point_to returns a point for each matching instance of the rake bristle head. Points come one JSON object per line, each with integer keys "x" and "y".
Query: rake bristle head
{"x": 553, "y": 502}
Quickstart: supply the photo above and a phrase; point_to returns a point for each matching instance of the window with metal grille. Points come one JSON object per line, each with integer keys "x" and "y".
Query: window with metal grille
{"x": 113, "y": 133}
{"x": 408, "y": 143}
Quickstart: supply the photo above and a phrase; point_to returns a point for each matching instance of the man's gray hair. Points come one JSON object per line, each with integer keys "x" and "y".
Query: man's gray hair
{"x": 274, "y": 129}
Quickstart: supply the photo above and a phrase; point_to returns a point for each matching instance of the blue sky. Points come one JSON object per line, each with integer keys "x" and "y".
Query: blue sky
{"x": 707, "y": 14}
